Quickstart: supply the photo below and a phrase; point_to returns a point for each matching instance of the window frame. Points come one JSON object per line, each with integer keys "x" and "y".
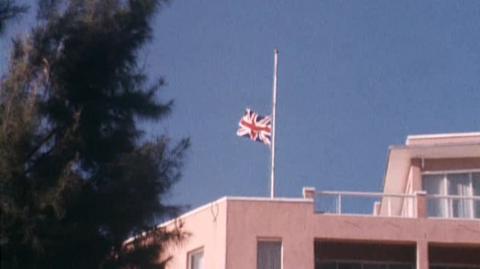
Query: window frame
{"x": 192, "y": 253}
{"x": 272, "y": 240}
{"x": 445, "y": 189}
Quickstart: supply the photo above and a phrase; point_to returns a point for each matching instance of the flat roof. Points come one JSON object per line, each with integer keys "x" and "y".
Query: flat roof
{"x": 446, "y": 135}
{"x": 443, "y": 139}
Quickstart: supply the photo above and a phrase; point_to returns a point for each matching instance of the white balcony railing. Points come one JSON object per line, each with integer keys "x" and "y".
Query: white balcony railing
{"x": 397, "y": 205}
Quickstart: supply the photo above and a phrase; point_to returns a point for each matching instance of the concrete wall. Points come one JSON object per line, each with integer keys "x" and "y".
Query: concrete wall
{"x": 228, "y": 231}
{"x": 249, "y": 221}
{"x": 207, "y": 228}
{"x": 296, "y": 224}
{"x": 451, "y": 164}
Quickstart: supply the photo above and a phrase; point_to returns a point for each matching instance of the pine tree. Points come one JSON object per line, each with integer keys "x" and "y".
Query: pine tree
{"x": 9, "y": 10}
{"x": 77, "y": 176}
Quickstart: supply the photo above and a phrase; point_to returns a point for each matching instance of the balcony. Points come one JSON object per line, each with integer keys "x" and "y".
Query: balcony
{"x": 416, "y": 205}
{"x": 349, "y": 254}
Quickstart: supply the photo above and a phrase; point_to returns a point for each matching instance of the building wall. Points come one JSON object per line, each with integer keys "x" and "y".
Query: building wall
{"x": 207, "y": 229}
{"x": 228, "y": 231}
{"x": 296, "y": 224}
{"x": 249, "y": 221}
{"x": 448, "y": 164}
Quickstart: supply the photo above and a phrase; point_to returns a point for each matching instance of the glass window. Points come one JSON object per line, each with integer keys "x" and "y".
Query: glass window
{"x": 459, "y": 184}
{"x": 476, "y": 192}
{"x": 435, "y": 184}
{"x": 464, "y": 186}
{"x": 269, "y": 255}
{"x": 195, "y": 259}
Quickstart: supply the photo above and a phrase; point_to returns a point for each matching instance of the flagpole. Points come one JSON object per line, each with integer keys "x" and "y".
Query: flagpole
{"x": 274, "y": 106}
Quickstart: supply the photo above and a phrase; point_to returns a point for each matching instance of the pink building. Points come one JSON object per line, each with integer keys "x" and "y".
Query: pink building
{"x": 428, "y": 216}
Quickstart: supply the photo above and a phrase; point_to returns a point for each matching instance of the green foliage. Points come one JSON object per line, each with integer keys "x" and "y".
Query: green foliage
{"x": 76, "y": 176}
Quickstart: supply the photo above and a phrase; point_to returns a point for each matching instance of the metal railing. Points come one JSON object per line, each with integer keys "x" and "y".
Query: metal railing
{"x": 365, "y": 203}
{"x": 397, "y": 204}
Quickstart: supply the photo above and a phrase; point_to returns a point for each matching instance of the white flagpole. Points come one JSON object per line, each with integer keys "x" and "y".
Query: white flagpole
{"x": 274, "y": 105}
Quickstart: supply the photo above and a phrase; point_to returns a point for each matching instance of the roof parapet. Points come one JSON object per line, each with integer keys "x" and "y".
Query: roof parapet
{"x": 443, "y": 139}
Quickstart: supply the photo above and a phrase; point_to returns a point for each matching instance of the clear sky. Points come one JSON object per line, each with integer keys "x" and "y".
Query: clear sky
{"x": 354, "y": 77}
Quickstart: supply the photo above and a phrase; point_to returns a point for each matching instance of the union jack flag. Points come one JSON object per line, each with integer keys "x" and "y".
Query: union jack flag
{"x": 258, "y": 128}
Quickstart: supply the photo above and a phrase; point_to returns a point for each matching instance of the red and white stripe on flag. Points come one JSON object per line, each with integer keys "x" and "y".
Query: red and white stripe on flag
{"x": 257, "y": 128}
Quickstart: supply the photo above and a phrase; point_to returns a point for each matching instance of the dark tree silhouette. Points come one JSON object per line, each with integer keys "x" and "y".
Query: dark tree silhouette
{"x": 77, "y": 177}
{"x": 9, "y": 10}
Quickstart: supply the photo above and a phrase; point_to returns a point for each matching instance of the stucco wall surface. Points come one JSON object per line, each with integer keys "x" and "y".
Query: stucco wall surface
{"x": 296, "y": 224}
{"x": 207, "y": 230}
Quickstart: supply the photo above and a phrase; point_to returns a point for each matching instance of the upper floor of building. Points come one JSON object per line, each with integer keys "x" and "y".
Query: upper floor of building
{"x": 436, "y": 176}
{"x": 428, "y": 216}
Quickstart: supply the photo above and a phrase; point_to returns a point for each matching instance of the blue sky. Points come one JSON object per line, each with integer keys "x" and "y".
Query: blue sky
{"x": 354, "y": 78}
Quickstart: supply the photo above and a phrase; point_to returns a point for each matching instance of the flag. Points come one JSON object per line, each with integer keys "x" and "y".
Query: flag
{"x": 258, "y": 128}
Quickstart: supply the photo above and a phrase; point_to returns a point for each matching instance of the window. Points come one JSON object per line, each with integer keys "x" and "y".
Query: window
{"x": 459, "y": 193}
{"x": 459, "y": 184}
{"x": 476, "y": 192}
{"x": 195, "y": 259}
{"x": 434, "y": 184}
{"x": 269, "y": 254}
